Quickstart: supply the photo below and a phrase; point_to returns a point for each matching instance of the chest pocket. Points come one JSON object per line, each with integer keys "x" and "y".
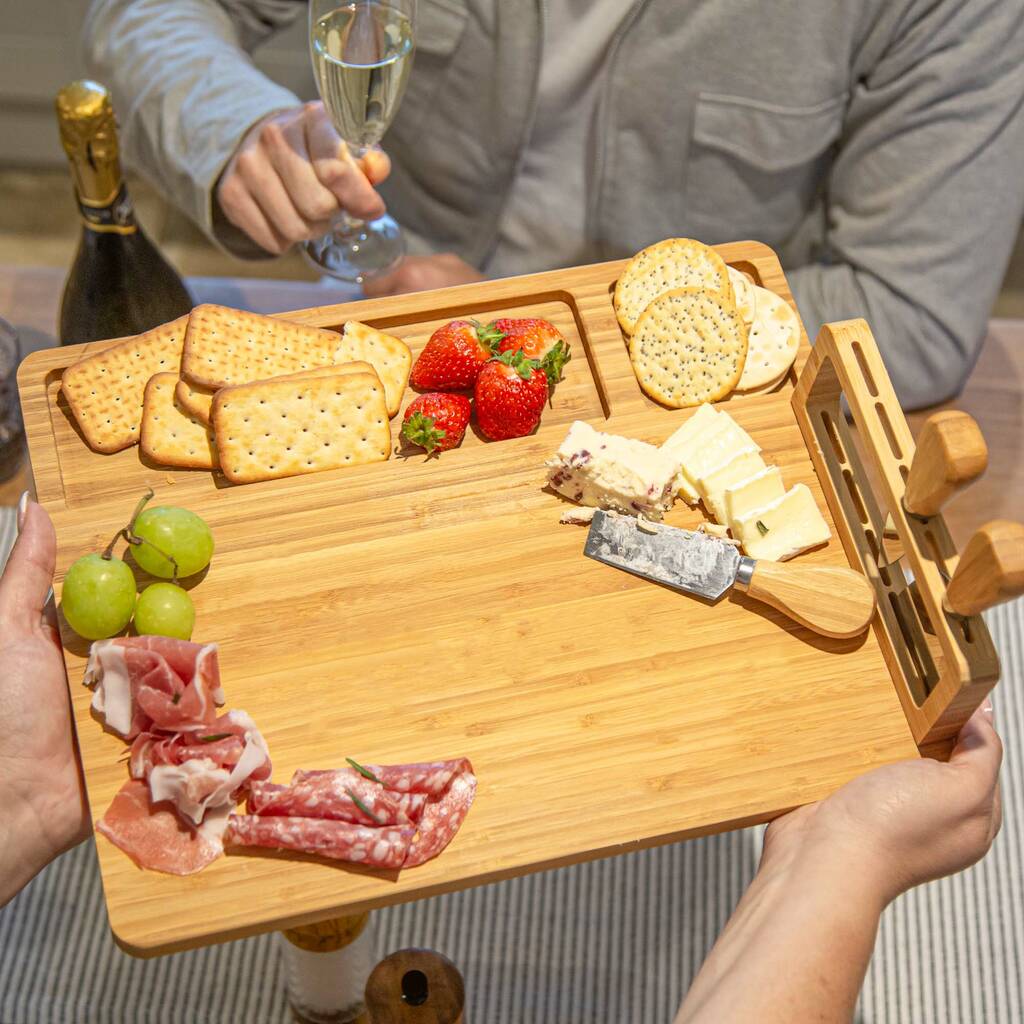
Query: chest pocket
{"x": 755, "y": 168}
{"x": 439, "y": 27}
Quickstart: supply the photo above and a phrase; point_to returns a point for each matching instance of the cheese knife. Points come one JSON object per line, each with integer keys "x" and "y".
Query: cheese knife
{"x": 832, "y": 600}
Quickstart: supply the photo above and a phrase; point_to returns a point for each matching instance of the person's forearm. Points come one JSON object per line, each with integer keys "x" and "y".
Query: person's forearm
{"x": 185, "y": 90}
{"x": 795, "y": 949}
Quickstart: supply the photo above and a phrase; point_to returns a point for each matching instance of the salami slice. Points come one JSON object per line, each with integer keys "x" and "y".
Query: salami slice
{"x": 340, "y": 840}
{"x": 441, "y": 820}
{"x": 431, "y": 799}
{"x": 341, "y": 795}
{"x": 430, "y": 777}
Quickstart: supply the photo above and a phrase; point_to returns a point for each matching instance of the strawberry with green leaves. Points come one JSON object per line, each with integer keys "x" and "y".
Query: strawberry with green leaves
{"x": 536, "y": 339}
{"x": 436, "y": 422}
{"x": 454, "y": 355}
{"x": 510, "y": 394}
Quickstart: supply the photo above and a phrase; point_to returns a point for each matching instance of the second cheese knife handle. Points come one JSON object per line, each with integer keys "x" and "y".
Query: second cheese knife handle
{"x": 950, "y": 454}
{"x": 990, "y": 570}
{"x": 829, "y": 599}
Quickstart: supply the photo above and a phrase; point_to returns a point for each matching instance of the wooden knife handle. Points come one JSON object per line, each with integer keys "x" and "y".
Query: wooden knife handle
{"x": 950, "y": 454}
{"x": 990, "y": 570}
{"x": 829, "y": 599}
{"x": 415, "y": 986}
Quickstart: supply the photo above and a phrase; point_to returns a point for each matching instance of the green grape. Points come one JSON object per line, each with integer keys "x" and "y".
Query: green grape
{"x": 98, "y": 596}
{"x": 176, "y": 532}
{"x": 165, "y": 610}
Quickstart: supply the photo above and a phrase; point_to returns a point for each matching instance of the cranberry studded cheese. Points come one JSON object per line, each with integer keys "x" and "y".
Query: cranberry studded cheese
{"x": 612, "y": 472}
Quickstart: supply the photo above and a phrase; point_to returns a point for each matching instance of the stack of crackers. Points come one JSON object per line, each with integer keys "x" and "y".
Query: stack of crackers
{"x": 254, "y": 396}
{"x": 698, "y": 329}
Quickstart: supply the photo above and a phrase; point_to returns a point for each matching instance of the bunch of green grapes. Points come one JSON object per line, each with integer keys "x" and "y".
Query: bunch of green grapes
{"x": 99, "y": 600}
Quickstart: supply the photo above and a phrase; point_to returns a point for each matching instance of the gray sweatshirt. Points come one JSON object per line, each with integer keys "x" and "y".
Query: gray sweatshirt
{"x": 878, "y": 145}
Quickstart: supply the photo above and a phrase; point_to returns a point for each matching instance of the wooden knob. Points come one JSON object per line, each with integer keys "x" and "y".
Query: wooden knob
{"x": 950, "y": 454}
{"x": 831, "y": 600}
{"x": 415, "y": 986}
{"x": 990, "y": 570}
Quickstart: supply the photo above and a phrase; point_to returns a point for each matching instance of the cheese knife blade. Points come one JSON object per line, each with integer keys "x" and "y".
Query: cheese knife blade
{"x": 692, "y": 562}
{"x": 832, "y": 600}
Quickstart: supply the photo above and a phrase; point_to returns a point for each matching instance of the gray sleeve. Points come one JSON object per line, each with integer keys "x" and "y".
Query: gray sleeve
{"x": 926, "y": 192}
{"x": 183, "y": 85}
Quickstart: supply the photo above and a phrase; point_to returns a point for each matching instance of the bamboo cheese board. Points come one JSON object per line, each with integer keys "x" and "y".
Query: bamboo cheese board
{"x": 420, "y": 609}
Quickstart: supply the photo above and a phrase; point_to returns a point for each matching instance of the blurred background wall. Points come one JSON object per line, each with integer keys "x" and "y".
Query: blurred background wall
{"x": 38, "y": 220}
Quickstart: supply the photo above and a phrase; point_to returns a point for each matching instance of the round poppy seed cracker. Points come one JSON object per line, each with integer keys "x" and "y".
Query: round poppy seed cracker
{"x": 666, "y": 266}
{"x": 772, "y": 341}
{"x": 689, "y": 347}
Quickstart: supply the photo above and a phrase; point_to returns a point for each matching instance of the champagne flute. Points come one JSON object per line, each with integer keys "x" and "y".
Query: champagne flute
{"x": 362, "y": 54}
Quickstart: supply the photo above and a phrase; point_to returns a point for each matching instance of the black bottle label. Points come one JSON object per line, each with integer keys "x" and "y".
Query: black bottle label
{"x": 116, "y": 216}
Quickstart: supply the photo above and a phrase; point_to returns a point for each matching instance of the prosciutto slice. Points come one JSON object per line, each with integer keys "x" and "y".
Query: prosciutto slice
{"x": 156, "y": 838}
{"x": 414, "y": 810}
{"x": 197, "y": 771}
{"x": 154, "y": 682}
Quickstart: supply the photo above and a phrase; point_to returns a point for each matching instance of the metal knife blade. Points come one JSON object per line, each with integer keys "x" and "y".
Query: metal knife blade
{"x": 688, "y": 561}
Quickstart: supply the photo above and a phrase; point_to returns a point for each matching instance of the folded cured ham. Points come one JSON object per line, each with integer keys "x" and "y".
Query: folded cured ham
{"x": 199, "y": 769}
{"x": 155, "y": 837}
{"x": 154, "y": 682}
{"x": 388, "y": 816}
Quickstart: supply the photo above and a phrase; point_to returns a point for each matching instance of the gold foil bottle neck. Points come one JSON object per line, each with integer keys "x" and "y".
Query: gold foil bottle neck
{"x": 88, "y": 133}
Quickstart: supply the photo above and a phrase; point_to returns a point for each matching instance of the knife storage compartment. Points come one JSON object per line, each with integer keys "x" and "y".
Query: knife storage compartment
{"x": 942, "y": 664}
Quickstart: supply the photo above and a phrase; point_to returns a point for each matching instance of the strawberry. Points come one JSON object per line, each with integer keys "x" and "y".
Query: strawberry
{"x": 436, "y": 421}
{"x": 454, "y": 355}
{"x": 510, "y": 395}
{"x": 536, "y": 339}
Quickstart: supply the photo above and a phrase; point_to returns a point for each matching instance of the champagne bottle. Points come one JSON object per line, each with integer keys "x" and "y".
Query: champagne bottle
{"x": 119, "y": 284}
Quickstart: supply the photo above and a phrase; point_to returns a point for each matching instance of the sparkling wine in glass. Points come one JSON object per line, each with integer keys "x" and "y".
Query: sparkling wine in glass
{"x": 362, "y": 54}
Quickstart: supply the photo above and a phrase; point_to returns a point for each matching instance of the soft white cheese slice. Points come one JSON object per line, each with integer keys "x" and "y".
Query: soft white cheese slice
{"x": 702, "y": 421}
{"x": 741, "y": 498}
{"x": 707, "y": 450}
{"x": 713, "y": 484}
{"x": 784, "y": 528}
{"x": 612, "y": 472}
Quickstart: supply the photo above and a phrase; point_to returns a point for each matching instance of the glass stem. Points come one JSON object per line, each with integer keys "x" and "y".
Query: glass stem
{"x": 344, "y": 223}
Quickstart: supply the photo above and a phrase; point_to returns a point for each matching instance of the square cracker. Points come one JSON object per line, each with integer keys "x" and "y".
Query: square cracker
{"x": 198, "y": 400}
{"x": 171, "y": 435}
{"x": 194, "y": 399}
{"x": 105, "y": 390}
{"x": 282, "y": 428}
{"x": 389, "y": 356}
{"x": 230, "y": 346}
{"x": 689, "y": 347}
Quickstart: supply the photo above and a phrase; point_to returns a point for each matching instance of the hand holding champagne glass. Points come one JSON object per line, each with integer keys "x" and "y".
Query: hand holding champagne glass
{"x": 362, "y": 54}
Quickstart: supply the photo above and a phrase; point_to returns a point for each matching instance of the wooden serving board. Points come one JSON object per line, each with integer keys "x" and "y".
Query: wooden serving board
{"x": 420, "y": 609}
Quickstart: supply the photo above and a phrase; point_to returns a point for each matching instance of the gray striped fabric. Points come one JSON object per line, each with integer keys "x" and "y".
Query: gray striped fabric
{"x": 616, "y": 940}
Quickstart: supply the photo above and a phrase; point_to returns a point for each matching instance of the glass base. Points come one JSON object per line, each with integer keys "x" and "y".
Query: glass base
{"x": 363, "y": 251}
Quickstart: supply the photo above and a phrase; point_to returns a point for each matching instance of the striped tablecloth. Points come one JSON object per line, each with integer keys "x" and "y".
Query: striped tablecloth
{"x": 615, "y": 940}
